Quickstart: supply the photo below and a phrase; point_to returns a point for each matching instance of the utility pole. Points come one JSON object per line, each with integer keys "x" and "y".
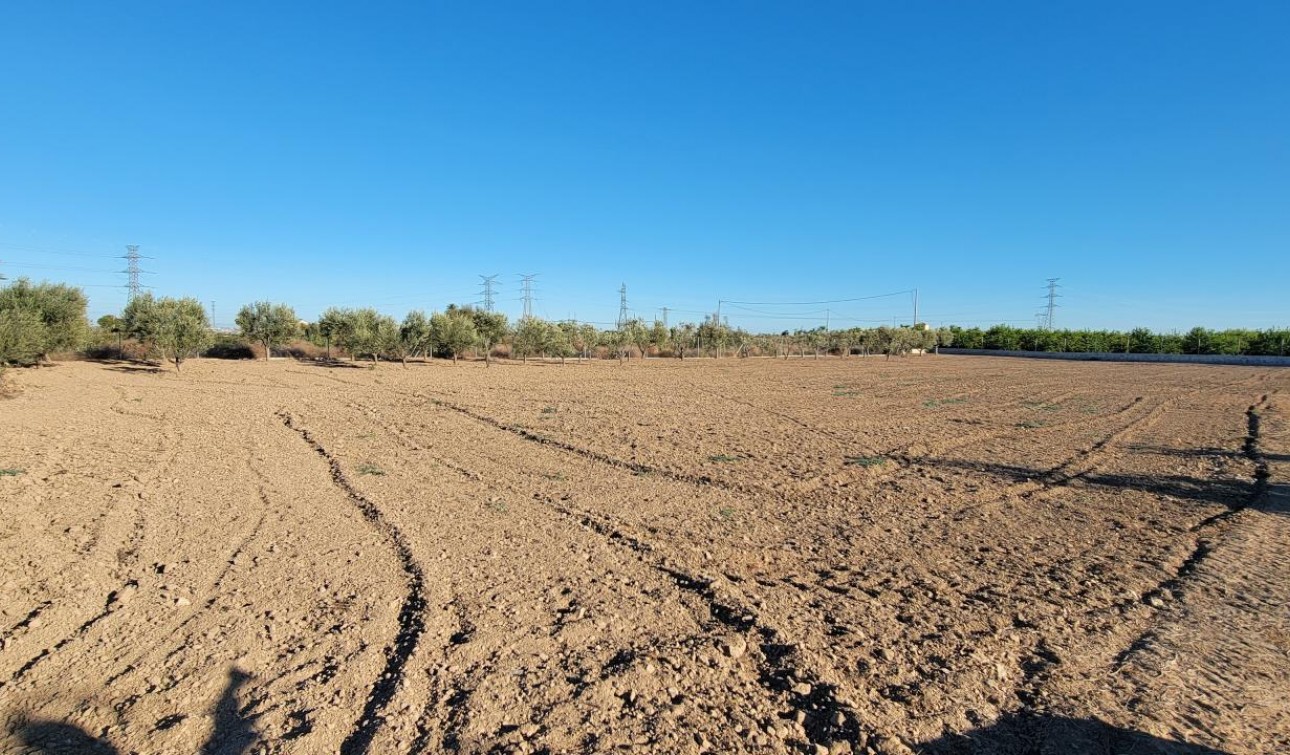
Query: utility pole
{"x": 489, "y": 282}
{"x": 622, "y": 306}
{"x": 526, "y": 281}
{"x": 212, "y": 313}
{"x": 664, "y": 317}
{"x": 132, "y": 271}
{"x": 1052, "y": 297}
{"x": 915, "y": 308}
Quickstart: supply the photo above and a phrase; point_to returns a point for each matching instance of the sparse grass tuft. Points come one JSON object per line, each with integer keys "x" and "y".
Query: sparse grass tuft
{"x": 935, "y": 402}
{"x": 725, "y": 513}
{"x": 845, "y": 391}
{"x": 1030, "y": 424}
{"x": 723, "y": 458}
{"x": 558, "y": 476}
{"x": 498, "y": 505}
{"x": 865, "y": 461}
{"x": 549, "y": 410}
{"x": 371, "y": 469}
{"x": 12, "y": 472}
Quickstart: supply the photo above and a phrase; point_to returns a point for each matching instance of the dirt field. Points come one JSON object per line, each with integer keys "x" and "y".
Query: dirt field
{"x": 935, "y": 554}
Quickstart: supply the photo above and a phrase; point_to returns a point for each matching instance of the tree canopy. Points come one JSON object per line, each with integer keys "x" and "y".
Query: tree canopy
{"x": 267, "y": 324}
{"x": 37, "y": 319}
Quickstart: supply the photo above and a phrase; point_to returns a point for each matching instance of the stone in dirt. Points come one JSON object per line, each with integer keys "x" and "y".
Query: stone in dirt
{"x": 734, "y": 646}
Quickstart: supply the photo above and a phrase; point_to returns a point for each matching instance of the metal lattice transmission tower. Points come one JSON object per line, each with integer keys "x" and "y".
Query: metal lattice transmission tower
{"x": 1052, "y": 296}
{"x": 489, "y": 282}
{"x": 623, "y": 317}
{"x": 132, "y": 271}
{"x": 526, "y": 282}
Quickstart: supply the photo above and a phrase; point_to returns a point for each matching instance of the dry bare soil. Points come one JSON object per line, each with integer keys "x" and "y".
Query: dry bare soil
{"x": 936, "y": 554}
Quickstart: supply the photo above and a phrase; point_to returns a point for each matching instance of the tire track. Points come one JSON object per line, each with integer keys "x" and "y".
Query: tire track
{"x": 412, "y": 620}
{"x": 824, "y": 717}
{"x": 586, "y": 453}
{"x": 113, "y": 603}
{"x": 1176, "y": 583}
{"x": 1250, "y": 450}
{"x": 213, "y": 593}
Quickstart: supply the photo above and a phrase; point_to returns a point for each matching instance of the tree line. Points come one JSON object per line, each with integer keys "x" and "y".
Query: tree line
{"x": 1198, "y": 340}
{"x": 39, "y": 319}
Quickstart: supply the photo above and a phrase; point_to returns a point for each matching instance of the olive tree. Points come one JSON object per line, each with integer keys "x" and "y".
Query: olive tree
{"x": 637, "y": 334}
{"x": 51, "y": 317}
{"x": 532, "y": 336}
{"x": 267, "y": 324}
{"x": 415, "y": 335}
{"x": 334, "y": 325}
{"x": 560, "y": 339}
{"x": 453, "y": 332}
{"x": 371, "y": 334}
{"x": 682, "y": 336}
{"x": 182, "y": 329}
{"x": 491, "y": 327}
{"x": 616, "y": 342}
{"x": 20, "y": 337}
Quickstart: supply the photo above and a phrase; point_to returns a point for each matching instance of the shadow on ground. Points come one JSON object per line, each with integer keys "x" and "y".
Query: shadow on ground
{"x": 335, "y": 363}
{"x": 1235, "y": 493}
{"x": 234, "y": 732}
{"x": 1033, "y": 734}
{"x": 129, "y": 365}
{"x": 1202, "y": 453}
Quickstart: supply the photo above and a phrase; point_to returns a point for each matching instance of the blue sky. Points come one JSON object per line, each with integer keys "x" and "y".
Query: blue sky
{"x": 390, "y": 153}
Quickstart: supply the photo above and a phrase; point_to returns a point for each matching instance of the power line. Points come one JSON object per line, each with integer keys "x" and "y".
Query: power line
{"x": 776, "y": 314}
{"x": 809, "y": 303}
{"x": 76, "y": 268}
{"x": 47, "y": 250}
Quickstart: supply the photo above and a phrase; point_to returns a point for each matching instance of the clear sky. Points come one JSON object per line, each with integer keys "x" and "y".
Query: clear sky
{"x": 377, "y": 153}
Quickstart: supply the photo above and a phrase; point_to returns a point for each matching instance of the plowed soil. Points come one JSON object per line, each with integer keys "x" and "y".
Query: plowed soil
{"x": 931, "y": 554}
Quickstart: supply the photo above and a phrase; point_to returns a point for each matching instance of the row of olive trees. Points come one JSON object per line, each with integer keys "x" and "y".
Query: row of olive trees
{"x": 368, "y": 333}
{"x": 36, "y": 319}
